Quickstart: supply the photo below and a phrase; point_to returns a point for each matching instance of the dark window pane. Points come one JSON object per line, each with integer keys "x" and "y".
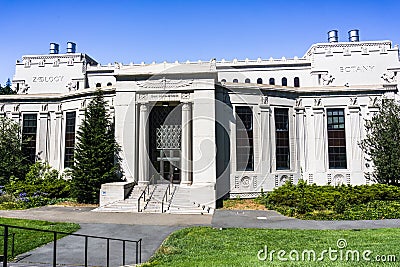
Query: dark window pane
{"x": 244, "y": 139}
{"x": 29, "y": 128}
{"x": 70, "y": 121}
{"x": 284, "y": 81}
{"x": 271, "y": 81}
{"x": 336, "y": 139}
{"x": 282, "y": 151}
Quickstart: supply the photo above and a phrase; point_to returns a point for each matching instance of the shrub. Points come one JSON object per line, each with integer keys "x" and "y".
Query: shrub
{"x": 41, "y": 180}
{"x": 341, "y": 202}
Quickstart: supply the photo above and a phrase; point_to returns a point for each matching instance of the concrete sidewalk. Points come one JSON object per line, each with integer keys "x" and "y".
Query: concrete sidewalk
{"x": 84, "y": 215}
{"x": 273, "y": 220}
{"x": 70, "y": 249}
{"x": 153, "y": 229}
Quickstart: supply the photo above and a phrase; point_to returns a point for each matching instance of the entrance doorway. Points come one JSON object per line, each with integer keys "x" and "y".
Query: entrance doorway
{"x": 169, "y": 162}
{"x": 165, "y": 140}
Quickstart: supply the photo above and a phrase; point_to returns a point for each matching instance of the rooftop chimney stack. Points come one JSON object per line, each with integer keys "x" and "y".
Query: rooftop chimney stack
{"x": 54, "y": 48}
{"x": 333, "y": 36}
{"x": 71, "y": 47}
{"x": 354, "y": 36}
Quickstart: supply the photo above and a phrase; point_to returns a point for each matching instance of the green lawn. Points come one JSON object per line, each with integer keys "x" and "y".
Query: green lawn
{"x": 26, "y": 240}
{"x": 205, "y": 246}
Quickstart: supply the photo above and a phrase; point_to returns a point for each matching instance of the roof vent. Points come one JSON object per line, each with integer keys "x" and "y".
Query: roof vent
{"x": 54, "y": 48}
{"x": 333, "y": 36}
{"x": 71, "y": 47}
{"x": 354, "y": 36}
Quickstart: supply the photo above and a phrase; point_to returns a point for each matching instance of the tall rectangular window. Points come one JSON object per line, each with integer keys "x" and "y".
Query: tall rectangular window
{"x": 244, "y": 139}
{"x": 29, "y": 132}
{"x": 336, "y": 139}
{"x": 282, "y": 151}
{"x": 69, "y": 139}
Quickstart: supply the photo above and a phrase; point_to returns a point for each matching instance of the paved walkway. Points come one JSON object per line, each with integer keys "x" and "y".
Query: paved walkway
{"x": 153, "y": 229}
{"x": 274, "y": 220}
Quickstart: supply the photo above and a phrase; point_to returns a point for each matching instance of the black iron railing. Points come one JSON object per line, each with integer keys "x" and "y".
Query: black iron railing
{"x": 137, "y": 253}
{"x": 165, "y": 197}
{"x": 143, "y": 194}
{"x": 12, "y": 242}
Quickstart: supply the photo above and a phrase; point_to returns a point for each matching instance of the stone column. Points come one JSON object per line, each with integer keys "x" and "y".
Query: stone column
{"x": 43, "y": 136}
{"x": 57, "y": 144}
{"x": 355, "y": 137}
{"x": 143, "y": 178}
{"x": 300, "y": 139}
{"x": 265, "y": 139}
{"x": 319, "y": 129}
{"x": 186, "y": 164}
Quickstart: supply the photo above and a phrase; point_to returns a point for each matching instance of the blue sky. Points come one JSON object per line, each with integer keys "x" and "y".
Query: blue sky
{"x": 135, "y": 31}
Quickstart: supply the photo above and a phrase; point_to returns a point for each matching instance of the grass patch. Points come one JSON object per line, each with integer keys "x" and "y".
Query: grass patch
{"x": 205, "y": 246}
{"x": 26, "y": 240}
{"x": 243, "y": 204}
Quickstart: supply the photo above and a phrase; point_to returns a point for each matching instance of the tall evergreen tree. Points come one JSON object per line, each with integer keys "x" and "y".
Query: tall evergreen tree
{"x": 11, "y": 156}
{"x": 382, "y": 143}
{"x": 7, "y": 90}
{"x": 96, "y": 158}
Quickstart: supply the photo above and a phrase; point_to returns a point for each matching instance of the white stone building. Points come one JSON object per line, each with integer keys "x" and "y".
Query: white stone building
{"x": 215, "y": 128}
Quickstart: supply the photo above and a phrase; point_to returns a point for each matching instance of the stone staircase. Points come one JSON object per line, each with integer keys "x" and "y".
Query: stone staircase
{"x": 154, "y": 204}
{"x": 181, "y": 203}
{"x": 177, "y": 202}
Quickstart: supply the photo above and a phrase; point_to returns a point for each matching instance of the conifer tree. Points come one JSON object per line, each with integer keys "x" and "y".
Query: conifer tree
{"x": 382, "y": 143}
{"x": 96, "y": 158}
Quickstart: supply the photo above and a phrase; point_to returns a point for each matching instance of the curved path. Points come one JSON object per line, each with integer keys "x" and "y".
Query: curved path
{"x": 154, "y": 228}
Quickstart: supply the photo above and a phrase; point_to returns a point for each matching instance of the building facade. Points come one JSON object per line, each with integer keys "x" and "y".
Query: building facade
{"x": 217, "y": 128}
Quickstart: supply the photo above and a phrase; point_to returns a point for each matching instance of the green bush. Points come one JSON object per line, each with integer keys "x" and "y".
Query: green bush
{"x": 41, "y": 180}
{"x": 329, "y": 202}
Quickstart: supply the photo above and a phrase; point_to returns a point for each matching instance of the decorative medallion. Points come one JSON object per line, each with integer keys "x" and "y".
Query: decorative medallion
{"x": 245, "y": 181}
{"x": 165, "y": 83}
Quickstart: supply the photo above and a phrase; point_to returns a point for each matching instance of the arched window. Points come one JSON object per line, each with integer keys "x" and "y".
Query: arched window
{"x": 223, "y": 81}
{"x": 247, "y": 80}
{"x": 284, "y": 81}
{"x": 271, "y": 81}
{"x": 98, "y": 85}
{"x": 259, "y": 81}
{"x": 296, "y": 82}
{"x": 109, "y": 84}
{"x": 235, "y": 80}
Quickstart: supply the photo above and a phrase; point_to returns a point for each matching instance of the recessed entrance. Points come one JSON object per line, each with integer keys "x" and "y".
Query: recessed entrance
{"x": 165, "y": 140}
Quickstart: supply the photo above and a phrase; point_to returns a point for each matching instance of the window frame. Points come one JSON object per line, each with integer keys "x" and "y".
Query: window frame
{"x": 29, "y": 136}
{"x": 245, "y": 133}
{"x": 69, "y": 138}
{"x": 336, "y": 138}
{"x": 282, "y": 138}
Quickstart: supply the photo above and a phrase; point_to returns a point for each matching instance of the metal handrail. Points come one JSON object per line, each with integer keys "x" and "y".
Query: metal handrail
{"x": 138, "y": 244}
{"x": 12, "y": 243}
{"x": 167, "y": 190}
{"x": 143, "y": 194}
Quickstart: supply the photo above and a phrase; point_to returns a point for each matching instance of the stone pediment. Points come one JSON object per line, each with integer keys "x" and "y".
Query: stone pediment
{"x": 165, "y": 83}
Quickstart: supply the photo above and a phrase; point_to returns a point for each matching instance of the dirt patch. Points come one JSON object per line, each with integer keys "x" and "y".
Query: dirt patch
{"x": 242, "y": 204}
{"x": 74, "y": 204}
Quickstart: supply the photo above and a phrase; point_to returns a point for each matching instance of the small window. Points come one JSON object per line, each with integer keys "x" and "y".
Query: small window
{"x": 235, "y": 80}
{"x": 109, "y": 84}
{"x": 247, "y": 80}
{"x": 284, "y": 81}
{"x": 296, "y": 82}
{"x": 259, "y": 81}
{"x": 271, "y": 81}
{"x": 98, "y": 85}
{"x": 223, "y": 81}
